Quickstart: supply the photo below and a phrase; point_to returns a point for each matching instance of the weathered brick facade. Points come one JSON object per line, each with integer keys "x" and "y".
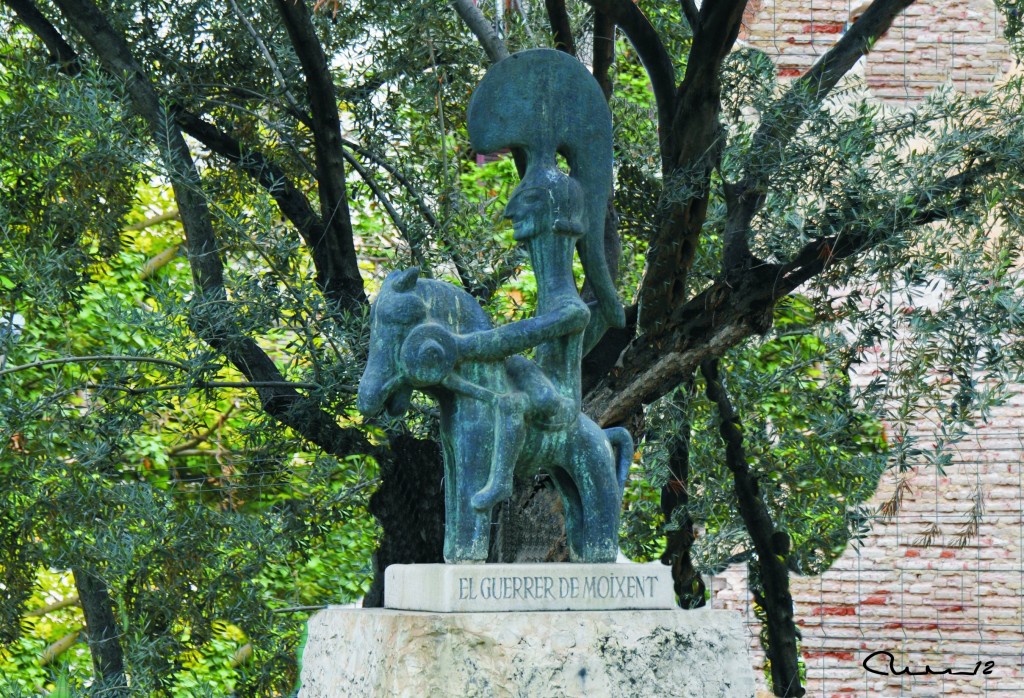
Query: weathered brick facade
{"x": 934, "y": 43}
{"x": 936, "y": 604}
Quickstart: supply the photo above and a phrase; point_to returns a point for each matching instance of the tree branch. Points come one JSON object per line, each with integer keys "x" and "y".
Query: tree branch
{"x": 60, "y": 50}
{"x": 783, "y": 120}
{"x": 335, "y": 245}
{"x": 171, "y": 215}
{"x": 365, "y": 88}
{"x": 294, "y": 205}
{"x": 689, "y": 150}
{"x": 399, "y": 176}
{"x": 475, "y": 289}
{"x": 728, "y": 312}
{"x": 692, "y": 14}
{"x": 211, "y": 315}
{"x": 104, "y": 642}
{"x": 698, "y": 99}
{"x": 159, "y": 261}
{"x": 651, "y": 51}
{"x": 71, "y": 600}
{"x": 604, "y": 51}
{"x": 493, "y": 46}
{"x": 689, "y": 586}
{"x": 396, "y": 218}
{"x": 205, "y": 436}
{"x": 56, "y": 649}
{"x": 740, "y": 212}
{"x": 204, "y": 385}
{"x": 116, "y": 57}
{"x": 811, "y": 88}
{"x": 706, "y": 327}
{"x": 856, "y": 234}
{"x": 561, "y": 28}
{"x": 268, "y": 57}
{"x": 292, "y": 202}
{"x": 93, "y": 358}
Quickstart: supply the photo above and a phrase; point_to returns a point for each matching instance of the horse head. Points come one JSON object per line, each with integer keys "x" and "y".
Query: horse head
{"x": 407, "y": 350}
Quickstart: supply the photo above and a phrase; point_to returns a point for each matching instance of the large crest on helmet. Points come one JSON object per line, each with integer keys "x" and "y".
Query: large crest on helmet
{"x": 545, "y": 103}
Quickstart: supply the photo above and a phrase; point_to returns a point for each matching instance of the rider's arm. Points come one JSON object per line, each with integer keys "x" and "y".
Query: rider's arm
{"x": 516, "y": 337}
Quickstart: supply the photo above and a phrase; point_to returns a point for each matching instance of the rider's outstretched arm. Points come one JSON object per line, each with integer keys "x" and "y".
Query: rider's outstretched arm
{"x": 516, "y": 337}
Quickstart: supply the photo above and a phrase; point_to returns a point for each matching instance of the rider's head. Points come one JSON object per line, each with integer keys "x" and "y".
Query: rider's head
{"x": 546, "y": 200}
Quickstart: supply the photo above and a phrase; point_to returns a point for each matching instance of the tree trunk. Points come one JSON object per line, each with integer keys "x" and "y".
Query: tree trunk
{"x": 771, "y": 545}
{"x": 104, "y": 635}
{"x": 781, "y": 648}
{"x": 409, "y": 505}
{"x": 686, "y": 580}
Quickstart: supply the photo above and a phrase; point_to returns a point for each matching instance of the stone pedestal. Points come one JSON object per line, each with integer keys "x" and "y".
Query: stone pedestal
{"x": 620, "y": 654}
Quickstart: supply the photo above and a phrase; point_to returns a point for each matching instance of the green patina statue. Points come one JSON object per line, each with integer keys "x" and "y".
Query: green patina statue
{"x": 502, "y": 414}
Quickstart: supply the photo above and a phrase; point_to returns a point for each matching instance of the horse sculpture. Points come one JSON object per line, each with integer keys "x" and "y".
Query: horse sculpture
{"x": 495, "y": 418}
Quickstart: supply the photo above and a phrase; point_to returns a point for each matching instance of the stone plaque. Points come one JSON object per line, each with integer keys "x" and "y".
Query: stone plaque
{"x": 528, "y": 587}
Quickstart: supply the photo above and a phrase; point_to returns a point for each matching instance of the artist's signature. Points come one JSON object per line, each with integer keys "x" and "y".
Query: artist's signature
{"x": 891, "y": 670}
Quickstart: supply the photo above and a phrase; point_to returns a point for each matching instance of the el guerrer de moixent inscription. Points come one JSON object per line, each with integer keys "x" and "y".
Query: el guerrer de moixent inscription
{"x": 533, "y": 587}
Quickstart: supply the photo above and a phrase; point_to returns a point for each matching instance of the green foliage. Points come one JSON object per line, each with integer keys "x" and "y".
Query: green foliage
{"x": 68, "y": 171}
{"x": 935, "y": 295}
{"x": 20, "y": 660}
{"x": 638, "y": 171}
{"x": 1013, "y": 22}
{"x": 816, "y": 467}
{"x": 217, "y": 512}
{"x": 643, "y": 524}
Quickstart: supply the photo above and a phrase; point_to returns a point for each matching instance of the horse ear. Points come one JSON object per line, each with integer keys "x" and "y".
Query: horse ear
{"x": 406, "y": 280}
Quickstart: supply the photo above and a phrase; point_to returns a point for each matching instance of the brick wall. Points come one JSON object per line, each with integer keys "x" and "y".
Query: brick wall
{"x": 936, "y": 604}
{"x": 926, "y": 602}
{"x": 934, "y": 43}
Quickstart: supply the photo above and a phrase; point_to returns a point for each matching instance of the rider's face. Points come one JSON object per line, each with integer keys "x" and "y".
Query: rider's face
{"x": 531, "y": 212}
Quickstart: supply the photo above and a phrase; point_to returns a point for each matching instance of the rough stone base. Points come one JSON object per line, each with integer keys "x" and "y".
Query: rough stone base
{"x": 625, "y": 654}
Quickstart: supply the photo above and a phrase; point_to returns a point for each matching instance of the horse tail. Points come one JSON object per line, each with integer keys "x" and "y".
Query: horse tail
{"x": 622, "y": 443}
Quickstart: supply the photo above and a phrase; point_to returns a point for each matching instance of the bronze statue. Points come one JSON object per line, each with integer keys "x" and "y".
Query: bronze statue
{"x": 500, "y": 412}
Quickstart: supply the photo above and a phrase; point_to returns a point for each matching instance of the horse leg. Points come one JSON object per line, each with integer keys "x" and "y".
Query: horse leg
{"x": 623, "y": 447}
{"x": 575, "y": 526}
{"x": 467, "y": 530}
{"x": 454, "y": 544}
{"x": 600, "y": 495}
